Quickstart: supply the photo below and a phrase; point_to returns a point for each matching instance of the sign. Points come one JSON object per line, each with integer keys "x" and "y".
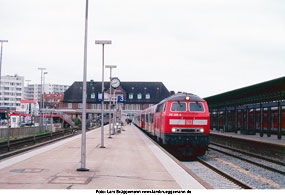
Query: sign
{"x": 114, "y": 99}
{"x": 121, "y": 99}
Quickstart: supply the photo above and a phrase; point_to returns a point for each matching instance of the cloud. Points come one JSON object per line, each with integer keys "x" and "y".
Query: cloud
{"x": 200, "y": 46}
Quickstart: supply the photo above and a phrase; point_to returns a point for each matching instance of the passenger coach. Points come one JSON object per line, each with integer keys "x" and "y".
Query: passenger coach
{"x": 181, "y": 122}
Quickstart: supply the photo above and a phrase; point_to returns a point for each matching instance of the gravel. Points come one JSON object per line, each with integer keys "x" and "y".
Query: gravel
{"x": 211, "y": 177}
{"x": 252, "y": 175}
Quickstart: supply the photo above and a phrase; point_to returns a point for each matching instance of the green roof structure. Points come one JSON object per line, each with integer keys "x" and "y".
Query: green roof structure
{"x": 269, "y": 91}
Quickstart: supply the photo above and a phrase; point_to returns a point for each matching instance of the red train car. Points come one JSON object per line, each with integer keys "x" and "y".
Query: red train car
{"x": 180, "y": 122}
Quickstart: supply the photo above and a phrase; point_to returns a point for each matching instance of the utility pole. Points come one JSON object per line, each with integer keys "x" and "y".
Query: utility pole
{"x": 41, "y": 100}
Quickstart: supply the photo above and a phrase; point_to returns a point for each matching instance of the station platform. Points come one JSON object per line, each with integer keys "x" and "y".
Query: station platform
{"x": 270, "y": 140}
{"x": 265, "y": 146}
{"x": 130, "y": 161}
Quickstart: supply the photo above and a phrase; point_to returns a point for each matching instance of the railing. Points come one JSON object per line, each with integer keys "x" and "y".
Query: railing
{"x": 67, "y": 119}
{"x": 64, "y": 116}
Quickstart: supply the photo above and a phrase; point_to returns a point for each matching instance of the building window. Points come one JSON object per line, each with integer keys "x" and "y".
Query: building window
{"x": 80, "y": 105}
{"x": 127, "y": 107}
{"x": 131, "y": 96}
{"x": 139, "y": 96}
{"x": 137, "y": 107}
{"x": 69, "y": 105}
{"x": 147, "y": 96}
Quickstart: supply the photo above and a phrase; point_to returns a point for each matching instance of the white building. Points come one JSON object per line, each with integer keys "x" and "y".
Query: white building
{"x": 33, "y": 91}
{"x": 59, "y": 89}
{"x": 11, "y": 91}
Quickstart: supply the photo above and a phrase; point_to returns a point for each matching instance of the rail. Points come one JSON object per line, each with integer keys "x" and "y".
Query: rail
{"x": 7, "y": 147}
{"x": 232, "y": 179}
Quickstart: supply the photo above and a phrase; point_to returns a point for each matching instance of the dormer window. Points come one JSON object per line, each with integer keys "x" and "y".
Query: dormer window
{"x": 147, "y": 96}
{"x": 131, "y": 96}
{"x": 139, "y": 96}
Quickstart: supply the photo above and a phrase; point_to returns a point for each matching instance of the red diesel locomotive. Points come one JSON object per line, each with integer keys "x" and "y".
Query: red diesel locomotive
{"x": 181, "y": 122}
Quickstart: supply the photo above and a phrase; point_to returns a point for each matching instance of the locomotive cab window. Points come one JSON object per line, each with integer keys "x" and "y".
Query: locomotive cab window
{"x": 160, "y": 108}
{"x": 178, "y": 107}
{"x": 196, "y": 107}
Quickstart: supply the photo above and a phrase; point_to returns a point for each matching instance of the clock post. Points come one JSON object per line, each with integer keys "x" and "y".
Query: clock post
{"x": 115, "y": 83}
{"x": 110, "y": 92}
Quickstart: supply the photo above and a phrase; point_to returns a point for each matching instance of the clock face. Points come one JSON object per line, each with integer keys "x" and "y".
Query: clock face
{"x": 115, "y": 82}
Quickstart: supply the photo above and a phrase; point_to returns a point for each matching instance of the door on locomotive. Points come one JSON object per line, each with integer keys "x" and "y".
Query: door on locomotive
{"x": 159, "y": 120}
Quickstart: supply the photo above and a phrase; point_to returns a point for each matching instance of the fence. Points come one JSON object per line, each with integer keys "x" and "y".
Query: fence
{"x": 22, "y": 131}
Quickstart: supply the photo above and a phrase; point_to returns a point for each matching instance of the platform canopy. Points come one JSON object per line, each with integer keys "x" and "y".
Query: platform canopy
{"x": 269, "y": 91}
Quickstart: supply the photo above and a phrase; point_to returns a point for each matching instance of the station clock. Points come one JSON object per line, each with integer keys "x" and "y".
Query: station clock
{"x": 115, "y": 82}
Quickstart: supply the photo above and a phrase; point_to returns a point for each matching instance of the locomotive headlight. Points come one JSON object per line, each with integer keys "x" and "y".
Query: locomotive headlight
{"x": 173, "y": 130}
{"x": 202, "y": 130}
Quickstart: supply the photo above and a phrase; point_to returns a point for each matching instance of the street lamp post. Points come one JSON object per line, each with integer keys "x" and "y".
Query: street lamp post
{"x": 110, "y": 92}
{"x": 83, "y": 136}
{"x": 115, "y": 113}
{"x": 102, "y": 42}
{"x": 45, "y": 112}
{"x": 41, "y": 100}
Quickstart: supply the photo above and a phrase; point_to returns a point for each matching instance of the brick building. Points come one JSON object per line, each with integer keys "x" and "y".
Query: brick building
{"x": 53, "y": 100}
{"x": 135, "y": 95}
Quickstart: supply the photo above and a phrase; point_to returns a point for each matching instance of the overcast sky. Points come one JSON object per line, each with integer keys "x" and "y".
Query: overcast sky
{"x": 204, "y": 47}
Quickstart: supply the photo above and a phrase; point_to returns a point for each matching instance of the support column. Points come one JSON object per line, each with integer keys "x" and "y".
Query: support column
{"x": 226, "y": 120}
{"x": 218, "y": 123}
{"x": 261, "y": 121}
{"x": 247, "y": 126}
{"x": 254, "y": 121}
{"x": 279, "y": 132}
{"x": 236, "y": 120}
{"x": 269, "y": 122}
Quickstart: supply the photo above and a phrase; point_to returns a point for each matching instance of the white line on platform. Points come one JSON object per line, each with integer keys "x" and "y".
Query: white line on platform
{"x": 183, "y": 178}
{"x": 14, "y": 160}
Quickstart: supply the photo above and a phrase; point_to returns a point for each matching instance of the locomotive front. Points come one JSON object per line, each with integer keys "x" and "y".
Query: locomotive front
{"x": 187, "y": 124}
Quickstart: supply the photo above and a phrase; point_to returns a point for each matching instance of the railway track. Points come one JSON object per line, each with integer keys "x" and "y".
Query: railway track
{"x": 222, "y": 168}
{"x": 224, "y": 174}
{"x": 246, "y": 171}
{"x": 228, "y": 181}
{"x": 262, "y": 162}
{"x": 230, "y": 170}
{"x": 13, "y": 147}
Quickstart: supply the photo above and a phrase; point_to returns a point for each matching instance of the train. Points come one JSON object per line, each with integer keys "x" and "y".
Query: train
{"x": 180, "y": 122}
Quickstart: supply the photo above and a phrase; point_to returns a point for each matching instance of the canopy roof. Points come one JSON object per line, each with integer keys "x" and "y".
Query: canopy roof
{"x": 273, "y": 90}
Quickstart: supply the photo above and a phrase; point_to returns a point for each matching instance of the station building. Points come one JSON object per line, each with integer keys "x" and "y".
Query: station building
{"x": 131, "y": 97}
